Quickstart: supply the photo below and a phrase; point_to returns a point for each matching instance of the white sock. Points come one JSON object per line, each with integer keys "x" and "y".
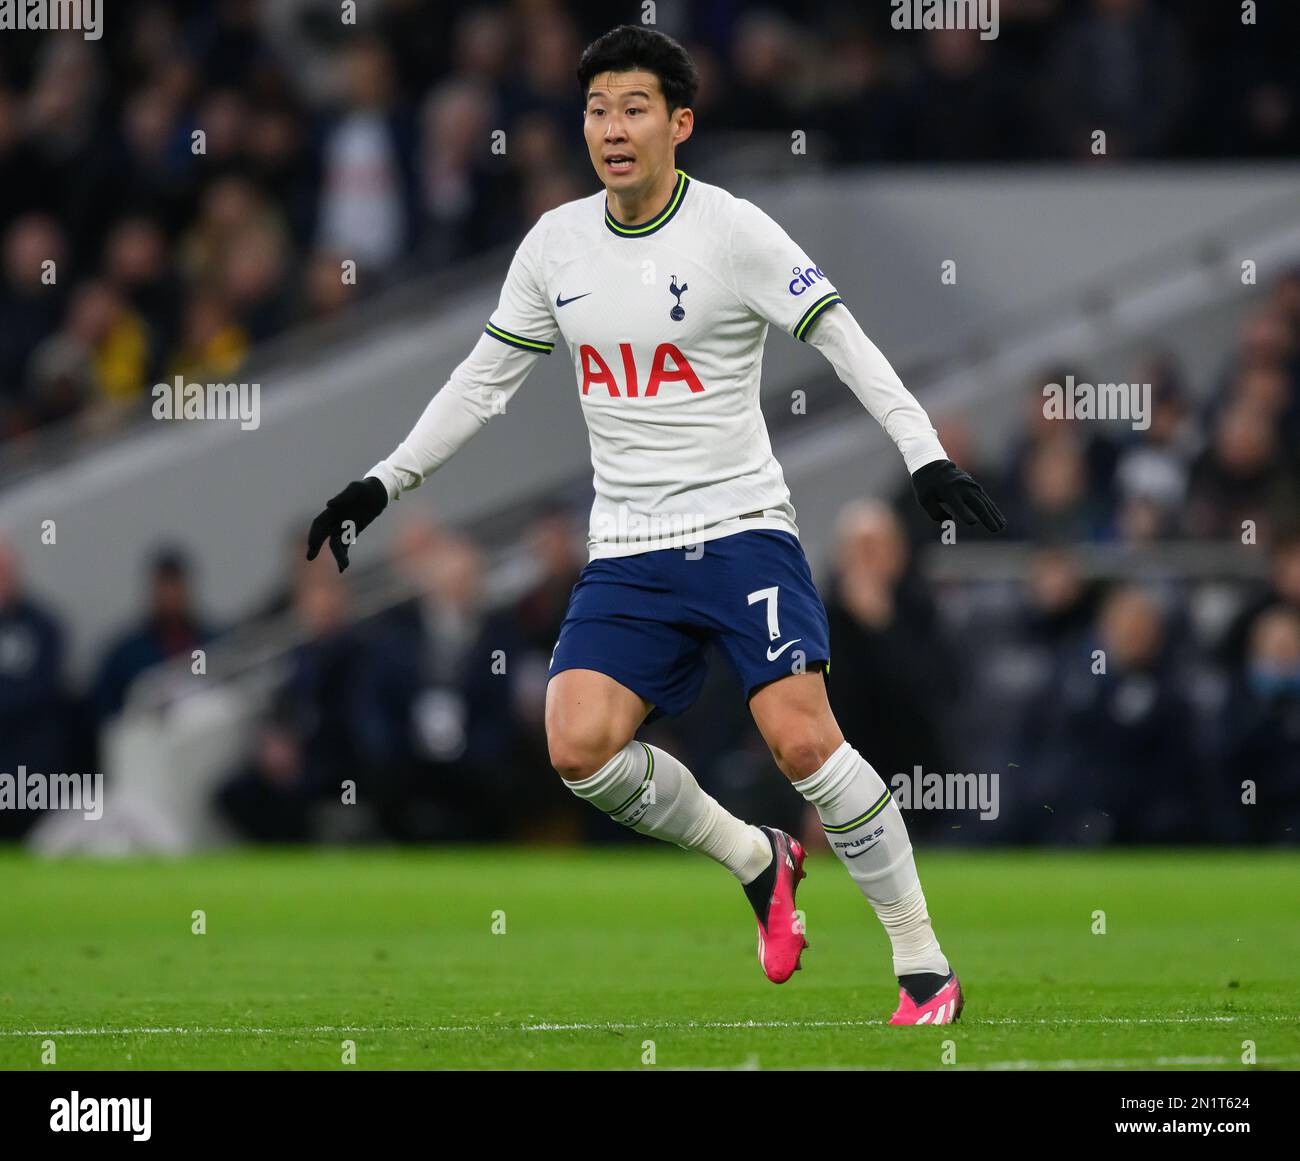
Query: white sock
{"x": 644, "y": 788}
{"x": 866, "y": 830}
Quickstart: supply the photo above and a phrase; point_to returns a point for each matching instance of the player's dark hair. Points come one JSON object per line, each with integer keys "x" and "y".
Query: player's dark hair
{"x": 633, "y": 46}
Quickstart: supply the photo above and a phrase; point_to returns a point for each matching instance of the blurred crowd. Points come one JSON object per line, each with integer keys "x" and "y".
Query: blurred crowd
{"x": 196, "y": 181}
{"x": 1149, "y": 710}
{"x": 1160, "y": 707}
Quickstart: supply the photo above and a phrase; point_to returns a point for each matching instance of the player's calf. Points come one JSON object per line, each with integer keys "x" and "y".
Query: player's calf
{"x": 648, "y": 790}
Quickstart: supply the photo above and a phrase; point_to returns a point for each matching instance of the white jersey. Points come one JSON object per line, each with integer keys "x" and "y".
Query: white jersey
{"x": 665, "y": 324}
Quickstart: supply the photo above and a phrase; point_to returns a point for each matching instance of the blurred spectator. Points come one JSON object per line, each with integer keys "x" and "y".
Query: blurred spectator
{"x": 31, "y": 302}
{"x": 1120, "y": 67}
{"x": 466, "y": 203}
{"x": 213, "y": 346}
{"x": 434, "y": 724}
{"x": 1282, "y": 589}
{"x": 1247, "y": 102}
{"x": 280, "y": 161}
{"x": 1261, "y": 729}
{"x": 964, "y": 104}
{"x": 549, "y": 47}
{"x": 158, "y": 171}
{"x": 238, "y": 249}
{"x": 34, "y": 710}
{"x": 1240, "y": 477}
{"x": 767, "y": 84}
{"x": 1061, "y": 603}
{"x": 892, "y": 671}
{"x": 1109, "y": 753}
{"x": 98, "y": 361}
{"x": 1060, "y": 478}
{"x": 170, "y": 628}
{"x": 861, "y": 105}
{"x": 368, "y": 200}
{"x": 1151, "y": 474}
{"x": 325, "y": 291}
{"x": 137, "y": 266}
{"x": 1055, "y": 503}
{"x": 526, "y": 632}
{"x": 308, "y": 745}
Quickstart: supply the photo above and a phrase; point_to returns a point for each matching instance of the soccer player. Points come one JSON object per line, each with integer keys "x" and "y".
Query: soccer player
{"x": 663, "y": 288}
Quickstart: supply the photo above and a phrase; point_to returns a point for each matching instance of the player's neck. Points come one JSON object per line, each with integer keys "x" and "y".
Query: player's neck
{"x": 634, "y": 207}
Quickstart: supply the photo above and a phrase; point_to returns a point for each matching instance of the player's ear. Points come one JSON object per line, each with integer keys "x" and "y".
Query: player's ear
{"x": 685, "y": 124}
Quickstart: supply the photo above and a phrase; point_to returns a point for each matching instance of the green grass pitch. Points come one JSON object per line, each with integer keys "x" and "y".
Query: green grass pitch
{"x": 606, "y": 950}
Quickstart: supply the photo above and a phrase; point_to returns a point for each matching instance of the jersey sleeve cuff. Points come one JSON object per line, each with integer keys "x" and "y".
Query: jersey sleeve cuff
{"x": 813, "y": 313}
{"x": 537, "y": 346}
{"x": 921, "y": 450}
{"x": 386, "y": 476}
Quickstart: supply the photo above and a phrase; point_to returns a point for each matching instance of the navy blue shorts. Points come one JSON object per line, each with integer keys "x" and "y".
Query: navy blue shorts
{"x": 646, "y": 619}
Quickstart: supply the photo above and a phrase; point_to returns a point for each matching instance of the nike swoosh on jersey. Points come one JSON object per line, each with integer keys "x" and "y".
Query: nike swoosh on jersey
{"x": 565, "y": 301}
{"x": 773, "y": 656}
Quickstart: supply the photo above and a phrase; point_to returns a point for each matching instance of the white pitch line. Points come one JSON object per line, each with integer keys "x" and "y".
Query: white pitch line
{"x": 650, "y": 1026}
{"x": 753, "y": 1064}
{"x": 877, "y": 1023}
{"x": 993, "y": 1065}
{"x": 1137, "y": 1062}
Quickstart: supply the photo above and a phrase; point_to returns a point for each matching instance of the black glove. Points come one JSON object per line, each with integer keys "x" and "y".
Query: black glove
{"x": 946, "y": 492}
{"x": 360, "y": 502}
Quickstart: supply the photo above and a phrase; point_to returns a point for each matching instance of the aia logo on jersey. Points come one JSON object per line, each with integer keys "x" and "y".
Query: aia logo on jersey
{"x": 805, "y": 278}
{"x": 669, "y": 366}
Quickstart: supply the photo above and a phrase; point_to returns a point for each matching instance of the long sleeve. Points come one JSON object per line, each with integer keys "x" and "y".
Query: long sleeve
{"x": 867, "y": 373}
{"x": 520, "y": 331}
{"x": 478, "y": 389}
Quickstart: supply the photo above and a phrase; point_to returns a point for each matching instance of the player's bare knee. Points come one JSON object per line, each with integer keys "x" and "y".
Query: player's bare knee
{"x": 575, "y": 756}
{"x": 801, "y": 754}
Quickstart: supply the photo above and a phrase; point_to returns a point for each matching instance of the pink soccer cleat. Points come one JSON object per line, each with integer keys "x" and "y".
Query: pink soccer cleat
{"x": 944, "y": 1007}
{"x": 780, "y": 934}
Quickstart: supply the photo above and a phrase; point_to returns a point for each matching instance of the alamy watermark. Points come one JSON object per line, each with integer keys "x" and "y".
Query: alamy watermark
{"x": 1072, "y": 400}
{"x": 626, "y": 526}
{"x": 84, "y": 16}
{"x": 181, "y": 400}
{"x": 921, "y": 791}
{"x": 921, "y": 15}
{"x": 88, "y": 1114}
{"x": 31, "y": 790}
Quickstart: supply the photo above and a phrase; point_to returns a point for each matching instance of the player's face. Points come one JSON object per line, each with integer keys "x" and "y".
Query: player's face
{"x": 630, "y": 135}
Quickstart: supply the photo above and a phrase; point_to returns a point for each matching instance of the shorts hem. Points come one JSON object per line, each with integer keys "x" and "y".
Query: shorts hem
{"x": 817, "y": 663}
{"x": 599, "y": 665}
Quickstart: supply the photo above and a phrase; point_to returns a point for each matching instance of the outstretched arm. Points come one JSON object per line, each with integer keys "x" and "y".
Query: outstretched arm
{"x": 778, "y": 280}
{"x": 942, "y": 488}
{"x": 521, "y": 329}
{"x": 478, "y": 389}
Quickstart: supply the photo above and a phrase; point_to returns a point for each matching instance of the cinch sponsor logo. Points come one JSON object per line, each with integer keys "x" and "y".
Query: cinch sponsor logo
{"x": 804, "y": 278}
{"x": 669, "y": 366}
{"x": 86, "y": 1114}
